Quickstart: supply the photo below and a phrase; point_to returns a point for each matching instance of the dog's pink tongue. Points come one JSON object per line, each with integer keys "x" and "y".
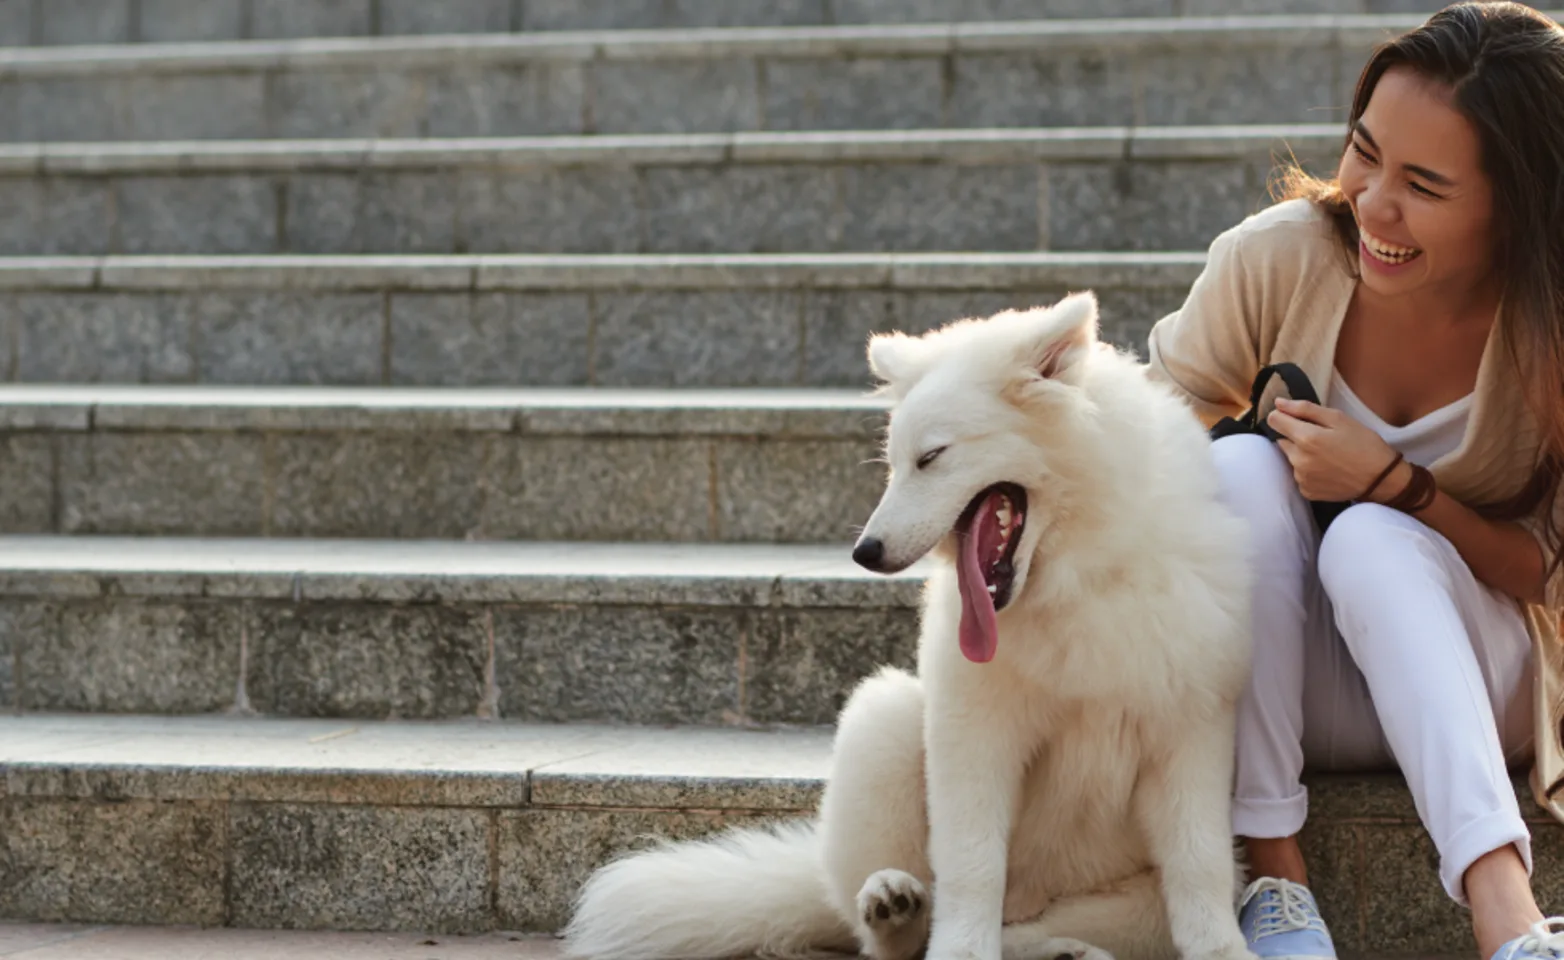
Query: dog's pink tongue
{"x": 979, "y": 629}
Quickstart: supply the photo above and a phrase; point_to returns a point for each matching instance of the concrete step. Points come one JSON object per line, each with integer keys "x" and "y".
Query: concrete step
{"x": 1041, "y": 73}
{"x": 763, "y": 466}
{"x": 64, "y": 941}
{"x": 762, "y": 320}
{"x": 467, "y": 828}
{"x": 1167, "y": 188}
{"x": 713, "y": 634}
{"x": 24, "y": 22}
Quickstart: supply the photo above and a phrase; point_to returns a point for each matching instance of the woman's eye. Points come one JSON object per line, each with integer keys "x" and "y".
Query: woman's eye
{"x": 1358, "y": 149}
{"x": 1419, "y": 188}
{"x": 930, "y": 457}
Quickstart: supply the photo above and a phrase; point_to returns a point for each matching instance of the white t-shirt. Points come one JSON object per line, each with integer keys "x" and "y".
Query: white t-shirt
{"x": 1422, "y": 441}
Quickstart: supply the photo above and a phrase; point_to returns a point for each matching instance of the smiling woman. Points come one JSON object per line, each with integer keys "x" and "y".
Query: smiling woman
{"x": 1422, "y": 291}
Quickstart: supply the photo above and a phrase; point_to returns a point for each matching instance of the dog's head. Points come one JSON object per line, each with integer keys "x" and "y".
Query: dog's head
{"x": 987, "y": 419}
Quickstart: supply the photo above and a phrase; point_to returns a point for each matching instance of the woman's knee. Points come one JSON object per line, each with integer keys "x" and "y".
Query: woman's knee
{"x": 1257, "y": 483}
{"x": 1370, "y": 550}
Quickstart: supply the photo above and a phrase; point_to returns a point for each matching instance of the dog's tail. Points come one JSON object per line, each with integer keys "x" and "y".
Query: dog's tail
{"x": 745, "y": 892}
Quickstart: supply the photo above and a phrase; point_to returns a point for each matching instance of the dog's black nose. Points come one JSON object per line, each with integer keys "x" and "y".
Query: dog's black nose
{"x": 869, "y": 553}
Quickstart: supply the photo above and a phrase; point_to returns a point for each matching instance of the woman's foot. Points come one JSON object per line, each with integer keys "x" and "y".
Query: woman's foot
{"x": 1281, "y": 922}
{"x": 1544, "y": 942}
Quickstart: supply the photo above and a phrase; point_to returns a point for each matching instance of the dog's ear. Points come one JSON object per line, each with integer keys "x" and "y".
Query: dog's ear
{"x": 897, "y": 359}
{"x": 1064, "y": 334}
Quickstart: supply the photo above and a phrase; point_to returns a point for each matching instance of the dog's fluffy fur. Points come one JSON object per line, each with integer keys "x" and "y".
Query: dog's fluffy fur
{"x": 1070, "y": 796}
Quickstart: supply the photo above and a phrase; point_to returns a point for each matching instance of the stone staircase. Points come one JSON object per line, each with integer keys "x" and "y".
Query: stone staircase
{"x": 430, "y": 461}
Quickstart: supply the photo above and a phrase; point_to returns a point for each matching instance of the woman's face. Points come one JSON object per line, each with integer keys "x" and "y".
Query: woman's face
{"x": 1414, "y": 177}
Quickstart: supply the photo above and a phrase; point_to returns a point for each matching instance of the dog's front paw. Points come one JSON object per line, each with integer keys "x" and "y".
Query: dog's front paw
{"x": 891, "y": 898}
{"x": 1064, "y": 948}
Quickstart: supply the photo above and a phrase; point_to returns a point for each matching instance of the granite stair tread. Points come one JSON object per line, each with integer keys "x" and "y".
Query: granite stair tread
{"x": 127, "y": 21}
{"x": 396, "y": 571}
{"x": 1092, "y": 71}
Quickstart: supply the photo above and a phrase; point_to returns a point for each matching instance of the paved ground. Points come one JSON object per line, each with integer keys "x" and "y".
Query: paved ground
{"x": 62, "y": 942}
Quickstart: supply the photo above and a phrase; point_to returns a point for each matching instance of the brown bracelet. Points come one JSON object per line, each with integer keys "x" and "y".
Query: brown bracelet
{"x": 1381, "y": 478}
{"x": 1420, "y": 491}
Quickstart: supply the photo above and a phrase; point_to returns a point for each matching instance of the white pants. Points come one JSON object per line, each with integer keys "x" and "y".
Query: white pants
{"x": 1374, "y": 648}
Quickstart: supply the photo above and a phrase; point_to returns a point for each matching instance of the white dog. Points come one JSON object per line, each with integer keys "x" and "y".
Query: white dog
{"x": 1056, "y": 778}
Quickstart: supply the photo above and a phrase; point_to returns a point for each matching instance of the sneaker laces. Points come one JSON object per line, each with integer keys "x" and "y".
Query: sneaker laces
{"x": 1545, "y": 939}
{"x": 1291, "y": 909}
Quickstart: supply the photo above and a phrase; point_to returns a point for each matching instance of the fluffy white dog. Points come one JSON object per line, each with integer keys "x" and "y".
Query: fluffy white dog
{"x": 1055, "y": 779}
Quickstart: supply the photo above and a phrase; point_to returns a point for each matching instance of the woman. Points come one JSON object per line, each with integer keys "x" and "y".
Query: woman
{"x": 1422, "y": 291}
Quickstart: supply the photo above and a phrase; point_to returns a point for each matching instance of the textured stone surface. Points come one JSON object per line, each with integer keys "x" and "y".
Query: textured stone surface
{"x": 289, "y": 338}
{"x": 859, "y": 94}
{"x": 545, "y": 855}
{"x": 940, "y": 207}
{"x": 59, "y": 109}
{"x": 749, "y": 209}
{"x": 98, "y": 338}
{"x": 998, "y": 90}
{"x": 208, "y": 215}
{"x": 1405, "y": 907}
{"x": 801, "y": 665}
{"x": 376, "y": 485}
{"x": 675, "y": 97}
{"x": 71, "y": 942}
{"x": 1333, "y": 851}
{"x": 698, "y": 338}
{"x": 164, "y": 21}
{"x": 923, "y": 11}
{"x": 347, "y": 103}
{"x": 352, "y": 660}
{"x": 188, "y": 107}
{"x": 83, "y": 21}
{"x": 27, "y": 495}
{"x": 628, "y": 665}
{"x": 786, "y": 491}
{"x": 43, "y": 216}
{"x": 118, "y": 862}
{"x": 490, "y": 339}
{"x": 21, "y": 623}
{"x": 128, "y": 657}
{"x": 356, "y": 868}
{"x": 407, "y": 213}
{"x": 598, "y": 488}
{"x": 658, "y": 14}
{"x": 162, "y": 483}
{"x": 1244, "y": 86}
{"x": 537, "y": 100}
{"x": 16, "y": 23}
{"x": 446, "y": 16}
{"x": 573, "y": 210}
{"x": 1145, "y": 206}
{"x": 310, "y": 18}
{"x": 322, "y": 212}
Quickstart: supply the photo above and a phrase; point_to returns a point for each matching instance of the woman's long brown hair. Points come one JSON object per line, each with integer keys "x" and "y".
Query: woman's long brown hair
{"x": 1504, "y": 65}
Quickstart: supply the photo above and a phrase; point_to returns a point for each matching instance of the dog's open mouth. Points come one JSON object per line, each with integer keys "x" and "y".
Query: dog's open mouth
{"x": 987, "y": 534}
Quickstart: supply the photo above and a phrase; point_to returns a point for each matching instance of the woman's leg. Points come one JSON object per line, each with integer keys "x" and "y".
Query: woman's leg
{"x": 1269, "y": 801}
{"x": 1446, "y": 661}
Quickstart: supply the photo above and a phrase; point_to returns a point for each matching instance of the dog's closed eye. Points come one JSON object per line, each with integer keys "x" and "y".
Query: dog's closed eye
{"x": 930, "y": 457}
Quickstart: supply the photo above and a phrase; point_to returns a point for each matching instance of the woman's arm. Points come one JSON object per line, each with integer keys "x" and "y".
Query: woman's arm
{"x": 1335, "y": 458}
{"x": 1503, "y": 555}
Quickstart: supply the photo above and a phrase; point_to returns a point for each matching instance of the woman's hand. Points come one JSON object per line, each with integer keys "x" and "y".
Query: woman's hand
{"x": 1333, "y": 456}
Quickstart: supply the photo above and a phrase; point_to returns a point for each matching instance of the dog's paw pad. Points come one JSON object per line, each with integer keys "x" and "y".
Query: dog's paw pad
{"x": 891, "y": 898}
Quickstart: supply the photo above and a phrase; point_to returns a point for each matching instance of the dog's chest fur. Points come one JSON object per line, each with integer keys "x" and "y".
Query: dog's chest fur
{"x": 1074, "y": 832}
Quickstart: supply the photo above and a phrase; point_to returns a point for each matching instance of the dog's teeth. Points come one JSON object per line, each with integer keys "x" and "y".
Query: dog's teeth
{"x": 993, "y": 588}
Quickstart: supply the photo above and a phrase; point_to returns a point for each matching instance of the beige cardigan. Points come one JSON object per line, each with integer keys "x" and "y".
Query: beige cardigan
{"x": 1276, "y": 287}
